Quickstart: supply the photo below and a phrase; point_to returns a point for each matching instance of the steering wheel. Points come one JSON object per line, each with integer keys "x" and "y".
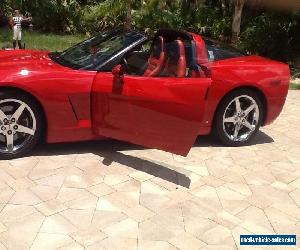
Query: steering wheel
{"x": 126, "y": 66}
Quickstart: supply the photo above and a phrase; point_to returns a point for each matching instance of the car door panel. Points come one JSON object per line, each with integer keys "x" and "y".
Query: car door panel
{"x": 163, "y": 113}
{"x": 110, "y": 111}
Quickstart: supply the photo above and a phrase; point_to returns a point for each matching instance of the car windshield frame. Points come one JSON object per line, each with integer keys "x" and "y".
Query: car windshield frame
{"x": 95, "y": 52}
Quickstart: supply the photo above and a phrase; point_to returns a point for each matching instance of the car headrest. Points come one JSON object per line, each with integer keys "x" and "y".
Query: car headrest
{"x": 173, "y": 50}
{"x": 181, "y": 47}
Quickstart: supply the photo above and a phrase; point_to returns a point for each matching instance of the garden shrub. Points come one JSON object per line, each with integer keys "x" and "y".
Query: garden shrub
{"x": 271, "y": 34}
{"x": 275, "y": 35}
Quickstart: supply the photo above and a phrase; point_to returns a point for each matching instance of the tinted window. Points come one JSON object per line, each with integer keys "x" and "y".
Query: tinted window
{"x": 217, "y": 52}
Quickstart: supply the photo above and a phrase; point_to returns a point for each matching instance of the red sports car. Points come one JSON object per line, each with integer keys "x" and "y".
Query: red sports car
{"x": 161, "y": 92}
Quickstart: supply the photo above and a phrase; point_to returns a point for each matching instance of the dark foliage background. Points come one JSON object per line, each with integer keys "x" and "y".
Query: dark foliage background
{"x": 272, "y": 33}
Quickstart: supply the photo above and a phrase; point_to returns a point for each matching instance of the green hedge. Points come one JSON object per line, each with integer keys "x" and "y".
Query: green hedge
{"x": 271, "y": 34}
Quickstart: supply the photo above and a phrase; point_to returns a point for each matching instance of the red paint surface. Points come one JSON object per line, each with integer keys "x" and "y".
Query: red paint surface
{"x": 164, "y": 113}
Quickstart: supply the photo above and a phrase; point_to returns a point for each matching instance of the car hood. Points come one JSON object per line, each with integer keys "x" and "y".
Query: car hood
{"x": 26, "y": 60}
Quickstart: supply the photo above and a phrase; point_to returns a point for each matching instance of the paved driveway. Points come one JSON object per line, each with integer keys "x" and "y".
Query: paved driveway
{"x": 110, "y": 195}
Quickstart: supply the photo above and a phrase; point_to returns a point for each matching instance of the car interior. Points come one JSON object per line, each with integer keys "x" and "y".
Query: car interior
{"x": 169, "y": 56}
{"x": 157, "y": 58}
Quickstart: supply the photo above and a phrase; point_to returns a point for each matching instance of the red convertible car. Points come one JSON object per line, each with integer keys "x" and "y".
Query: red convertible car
{"x": 161, "y": 92}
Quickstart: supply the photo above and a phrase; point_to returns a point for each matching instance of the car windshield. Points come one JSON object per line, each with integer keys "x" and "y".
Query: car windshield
{"x": 96, "y": 50}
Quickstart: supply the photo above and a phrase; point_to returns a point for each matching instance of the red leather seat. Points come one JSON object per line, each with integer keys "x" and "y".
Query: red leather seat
{"x": 157, "y": 58}
{"x": 176, "y": 60}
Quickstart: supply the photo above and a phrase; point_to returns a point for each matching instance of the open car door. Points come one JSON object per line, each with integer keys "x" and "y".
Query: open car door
{"x": 158, "y": 112}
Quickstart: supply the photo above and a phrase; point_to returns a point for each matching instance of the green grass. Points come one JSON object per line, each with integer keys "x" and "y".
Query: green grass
{"x": 294, "y": 86}
{"x": 295, "y": 74}
{"x": 41, "y": 41}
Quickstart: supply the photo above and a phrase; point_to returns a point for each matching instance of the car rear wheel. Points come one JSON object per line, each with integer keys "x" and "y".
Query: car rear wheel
{"x": 238, "y": 117}
{"x": 20, "y": 124}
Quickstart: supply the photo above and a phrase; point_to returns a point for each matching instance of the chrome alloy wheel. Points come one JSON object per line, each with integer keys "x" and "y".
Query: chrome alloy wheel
{"x": 241, "y": 118}
{"x": 17, "y": 125}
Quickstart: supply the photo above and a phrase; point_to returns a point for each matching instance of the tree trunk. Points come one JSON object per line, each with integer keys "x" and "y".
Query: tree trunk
{"x": 236, "y": 24}
{"x": 189, "y": 6}
{"x": 194, "y": 4}
{"x": 128, "y": 18}
{"x": 223, "y": 6}
{"x": 169, "y": 3}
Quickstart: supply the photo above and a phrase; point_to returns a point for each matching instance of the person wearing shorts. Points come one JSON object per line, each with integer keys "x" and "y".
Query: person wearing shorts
{"x": 16, "y": 23}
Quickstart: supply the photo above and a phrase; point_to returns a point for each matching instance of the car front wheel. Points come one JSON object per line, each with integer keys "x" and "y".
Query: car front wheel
{"x": 238, "y": 117}
{"x": 20, "y": 124}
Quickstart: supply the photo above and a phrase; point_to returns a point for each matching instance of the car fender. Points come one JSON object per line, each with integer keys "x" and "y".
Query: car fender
{"x": 268, "y": 78}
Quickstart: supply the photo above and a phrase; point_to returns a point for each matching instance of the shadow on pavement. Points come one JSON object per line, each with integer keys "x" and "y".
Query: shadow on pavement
{"x": 209, "y": 141}
{"x": 110, "y": 151}
{"x": 160, "y": 170}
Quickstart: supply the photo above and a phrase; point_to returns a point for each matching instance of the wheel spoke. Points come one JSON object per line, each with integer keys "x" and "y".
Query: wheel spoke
{"x": 2, "y": 115}
{"x": 23, "y": 129}
{"x": 248, "y": 110}
{"x": 10, "y": 142}
{"x": 249, "y": 126}
{"x": 236, "y": 131}
{"x": 19, "y": 112}
{"x": 230, "y": 119}
{"x": 238, "y": 105}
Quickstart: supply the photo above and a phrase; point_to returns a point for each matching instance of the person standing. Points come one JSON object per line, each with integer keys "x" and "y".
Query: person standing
{"x": 16, "y": 24}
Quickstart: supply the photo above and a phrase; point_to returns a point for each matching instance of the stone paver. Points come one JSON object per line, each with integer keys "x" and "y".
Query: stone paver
{"x": 112, "y": 195}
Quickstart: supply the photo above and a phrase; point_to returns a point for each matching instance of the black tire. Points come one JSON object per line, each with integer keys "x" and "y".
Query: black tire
{"x": 31, "y": 140}
{"x": 218, "y": 129}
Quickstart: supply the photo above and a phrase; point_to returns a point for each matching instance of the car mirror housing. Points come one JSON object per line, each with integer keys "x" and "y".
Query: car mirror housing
{"x": 118, "y": 83}
{"x": 117, "y": 70}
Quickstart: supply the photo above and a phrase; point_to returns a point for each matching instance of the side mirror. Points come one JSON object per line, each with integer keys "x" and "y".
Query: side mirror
{"x": 118, "y": 80}
{"x": 117, "y": 71}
